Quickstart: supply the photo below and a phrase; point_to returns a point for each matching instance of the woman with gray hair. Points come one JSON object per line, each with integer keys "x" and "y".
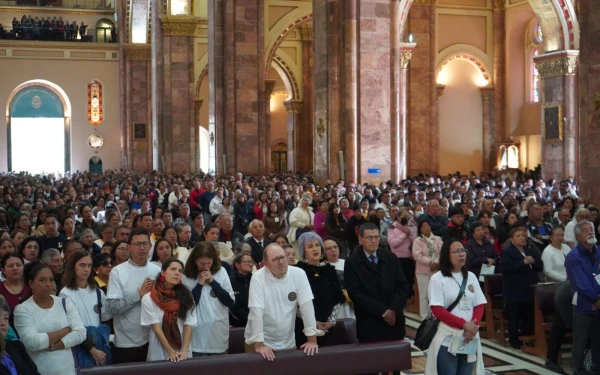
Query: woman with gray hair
{"x": 323, "y": 281}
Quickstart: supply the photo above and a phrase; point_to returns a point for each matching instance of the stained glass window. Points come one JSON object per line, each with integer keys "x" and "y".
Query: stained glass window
{"x": 536, "y": 80}
{"x": 538, "y": 33}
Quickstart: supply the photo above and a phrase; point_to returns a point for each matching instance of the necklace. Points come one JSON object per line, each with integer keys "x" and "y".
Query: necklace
{"x": 315, "y": 269}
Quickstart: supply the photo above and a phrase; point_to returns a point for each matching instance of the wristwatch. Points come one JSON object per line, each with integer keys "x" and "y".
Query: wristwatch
{"x": 51, "y": 347}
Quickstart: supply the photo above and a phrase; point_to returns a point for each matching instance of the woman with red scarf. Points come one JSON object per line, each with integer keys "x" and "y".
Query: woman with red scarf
{"x": 168, "y": 309}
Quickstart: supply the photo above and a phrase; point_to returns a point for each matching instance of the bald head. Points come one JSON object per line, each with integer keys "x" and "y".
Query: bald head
{"x": 275, "y": 259}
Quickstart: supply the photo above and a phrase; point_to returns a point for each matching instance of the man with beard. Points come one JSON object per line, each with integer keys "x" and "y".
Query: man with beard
{"x": 583, "y": 271}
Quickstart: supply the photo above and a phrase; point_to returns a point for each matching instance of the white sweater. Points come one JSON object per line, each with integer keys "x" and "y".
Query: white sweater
{"x": 33, "y": 323}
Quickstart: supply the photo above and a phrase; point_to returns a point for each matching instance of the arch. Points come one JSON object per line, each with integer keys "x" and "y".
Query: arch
{"x": 465, "y": 52}
{"x": 559, "y": 24}
{"x": 66, "y": 114}
{"x": 203, "y": 74}
{"x": 95, "y": 164}
{"x": 288, "y": 23}
{"x": 103, "y": 31}
{"x": 288, "y": 78}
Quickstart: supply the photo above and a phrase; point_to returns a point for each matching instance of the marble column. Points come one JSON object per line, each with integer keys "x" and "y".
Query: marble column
{"x": 138, "y": 151}
{"x": 487, "y": 98}
{"x": 350, "y": 109}
{"x": 304, "y": 160}
{"x": 589, "y": 101}
{"x": 266, "y": 149}
{"x": 197, "y": 107}
{"x": 422, "y": 134}
{"x": 236, "y": 62}
{"x": 558, "y": 71}
{"x": 435, "y": 125}
{"x": 294, "y": 109}
{"x": 400, "y": 59}
{"x": 499, "y": 37}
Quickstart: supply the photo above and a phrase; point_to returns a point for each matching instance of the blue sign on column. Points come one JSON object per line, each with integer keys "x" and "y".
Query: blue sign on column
{"x": 374, "y": 171}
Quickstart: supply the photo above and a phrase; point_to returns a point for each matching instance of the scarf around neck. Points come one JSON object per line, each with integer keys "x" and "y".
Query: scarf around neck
{"x": 430, "y": 244}
{"x": 166, "y": 300}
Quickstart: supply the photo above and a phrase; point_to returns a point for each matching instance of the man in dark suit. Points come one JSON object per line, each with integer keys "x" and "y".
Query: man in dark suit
{"x": 257, "y": 242}
{"x": 377, "y": 287}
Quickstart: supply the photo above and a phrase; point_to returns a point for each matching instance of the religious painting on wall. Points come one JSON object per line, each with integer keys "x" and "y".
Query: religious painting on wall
{"x": 553, "y": 123}
{"x": 139, "y": 130}
{"x": 95, "y": 106}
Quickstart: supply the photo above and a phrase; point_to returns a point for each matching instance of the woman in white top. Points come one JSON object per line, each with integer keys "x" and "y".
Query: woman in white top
{"x": 169, "y": 310}
{"x": 301, "y": 218}
{"x": 80, "y": 288}
{"x": 225, "y": 207}
{"x": 213, "y": 295}
{"x": 554, "y": 256}
{"x": 460, "y": 323}
{"x": 163, "y": 251}
{"x": 49, "y": 326}
{"x": 332, "y": 256}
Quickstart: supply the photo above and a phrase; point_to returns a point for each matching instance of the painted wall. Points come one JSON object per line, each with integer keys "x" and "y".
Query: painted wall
{"x": 72, "y": 76}
{"x": 461, "y": 119}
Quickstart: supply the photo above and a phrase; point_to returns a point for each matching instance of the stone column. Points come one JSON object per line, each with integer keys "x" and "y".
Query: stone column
{"x": 400, "y": 59}
{"x": 138, "y": 106}
{"x": 559, "y": 89}
{"x": 304, "y": 160}
{"x": 422, "y": 136}
{"x": 499, "y": 124}
{"x": 350, "y": 118}
{"x": 293, "y": 109}
{"x": 487, "y": 96}
{"x": 589, "y": 101}
{"x": 197, "y": 107}
{"x": 435, "y": 125}
{"x": 269, "y": 85}
{"x": 216, "y": 84}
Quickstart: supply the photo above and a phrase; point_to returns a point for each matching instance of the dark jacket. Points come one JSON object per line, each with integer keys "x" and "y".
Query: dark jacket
{"x": 438, "y": 223}
{"x": 533, "y": 231}
{"x": 242, "y": 216}
{"x": 23, "y": 362}
{"x": 352, "y": 232}
{"x": 257, "y": 253}
{"x": 325, "y": 287}
{"x": 235, "y": 238}
{"x": 238, "y": 313}
{"x": 373, "y": 290}
{"x": 581, "y": 273}
{"x": 518, "y": 276}
{"x": 478, "y": 255}
{"x": 453, "y": 231}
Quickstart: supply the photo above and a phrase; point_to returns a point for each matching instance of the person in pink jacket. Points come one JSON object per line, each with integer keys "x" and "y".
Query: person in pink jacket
{"x": 320, "y": 218}
{"x": 426, "y": 251}
{"x": 400, "y": 239}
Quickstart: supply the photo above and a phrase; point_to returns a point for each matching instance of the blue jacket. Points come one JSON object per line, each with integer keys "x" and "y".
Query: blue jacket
{"x": 581, "y": 273}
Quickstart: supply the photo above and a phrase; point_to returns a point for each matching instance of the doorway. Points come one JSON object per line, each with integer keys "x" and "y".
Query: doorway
{"x": 279, "y": 159}
{"x": 95, "y": 165}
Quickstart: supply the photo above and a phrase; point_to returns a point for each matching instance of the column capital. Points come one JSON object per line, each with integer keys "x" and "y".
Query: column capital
{"x": 269, "y": 85}
{"x": 406, "y": 53}
{"x": 306, "y": 31}
{"x": 487, "y": 93}
{"x": 560, "y": 63}
{"x": 135, "y": 51}
{"x": 439, "y": 90}
{"x": 424, "y": 2}
{"x": 180, "y": 25}
{"x": 293, "y": 106}
{"x": 198, "y": 103}
{"x": 498, "y": 4}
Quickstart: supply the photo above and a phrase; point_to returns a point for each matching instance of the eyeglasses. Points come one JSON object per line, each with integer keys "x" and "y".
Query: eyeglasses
{"x": 459, "y": 251}
{"x": 372, "y": 238}
{"x": 141, "y": 244}
{"x": 249, "y": 262}
{"x": 281, "y": 259}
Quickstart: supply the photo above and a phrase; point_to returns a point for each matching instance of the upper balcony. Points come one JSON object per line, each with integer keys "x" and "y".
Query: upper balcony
{"x": 69, "y": 4}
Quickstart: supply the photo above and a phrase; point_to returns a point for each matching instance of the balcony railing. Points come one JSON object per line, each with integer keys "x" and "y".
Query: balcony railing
{"x": 60, "y": 34}
{"x": 83, "y": 4}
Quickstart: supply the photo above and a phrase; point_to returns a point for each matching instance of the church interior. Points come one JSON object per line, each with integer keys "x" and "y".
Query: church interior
{"x": 359, "y": 90}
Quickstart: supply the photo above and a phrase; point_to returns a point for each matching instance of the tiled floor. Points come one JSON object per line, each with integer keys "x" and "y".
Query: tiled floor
{"x": 497, "y": 358}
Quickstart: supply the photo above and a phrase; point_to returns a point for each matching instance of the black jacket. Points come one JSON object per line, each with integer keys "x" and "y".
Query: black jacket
{"x": 257, "y": 253}
{"x": 238, "y": 313}
{"x": 23, "y": 362}
{"x": 373, "y": 290}
{"x": 326, "y": 289}
{"x": 518, "y": 276}
{"x": 533, "y": 231}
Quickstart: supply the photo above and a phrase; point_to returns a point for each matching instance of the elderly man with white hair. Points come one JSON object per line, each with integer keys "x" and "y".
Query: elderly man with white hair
{"x": 277, "y": 292}
{"x": 570, "y": 238}
{"x": 437, "y": 222}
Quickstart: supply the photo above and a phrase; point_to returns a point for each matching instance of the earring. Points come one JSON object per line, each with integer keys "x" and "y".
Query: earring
{"x": 162, "y": 278}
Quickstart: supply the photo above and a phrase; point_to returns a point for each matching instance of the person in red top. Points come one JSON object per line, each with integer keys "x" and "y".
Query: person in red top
{"x": 456, "y": 227}
{"x": 261, "y": 208}
{"x": 13, "y": 288}
{"x": 195, "y": 197}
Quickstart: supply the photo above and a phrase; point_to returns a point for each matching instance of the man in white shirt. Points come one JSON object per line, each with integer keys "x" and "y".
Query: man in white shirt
{"x": 127, "y": 284}
{"x": 580, "y": 214}
{"x": 385, "y": 204}
{"x": 276, "y": 293}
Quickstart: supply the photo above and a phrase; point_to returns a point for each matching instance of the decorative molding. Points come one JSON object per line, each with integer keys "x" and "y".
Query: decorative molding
{"x": 198, "y": 104}
{"x": 498, "y": 4}
{"x": 59, "y": 11}
{"x": 406, "y": 53}
{"x": 424, "y": 2}
{"x": 557, "y": 64}
{"x": 293, "y": 106}
{"x": 138, "y": 51}
{"x": 487, "y": 93}
{"x": 269, "y": 85}
{"x": 23, "y": 44}
{"x": 306, "y": 31}
{"x": 180, "y": 25}
{"x": 471, "y": 58}
{"x": 439, "y": 90}
{"x": 290, "y": 74}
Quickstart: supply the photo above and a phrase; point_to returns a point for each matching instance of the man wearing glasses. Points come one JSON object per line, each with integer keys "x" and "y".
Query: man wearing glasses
{"x": 127, "y": 284}
{"x": 377, "y": 287}
{"x": 276, "y": 293}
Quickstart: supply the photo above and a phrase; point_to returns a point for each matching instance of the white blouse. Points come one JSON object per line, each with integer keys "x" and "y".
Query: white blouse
{"x": 554, "y": 262}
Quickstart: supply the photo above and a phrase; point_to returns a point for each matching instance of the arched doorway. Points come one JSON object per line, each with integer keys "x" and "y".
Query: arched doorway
{"x": 39, "y": 115}
{"x": 95, "y": 165}
{"x": 279, "y": 158}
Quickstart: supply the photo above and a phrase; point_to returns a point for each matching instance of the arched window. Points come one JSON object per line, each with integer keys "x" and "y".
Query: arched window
{"x": 538, "y": 33}
{"x": 105, "y": 31}
{"x": 535, "y": 86}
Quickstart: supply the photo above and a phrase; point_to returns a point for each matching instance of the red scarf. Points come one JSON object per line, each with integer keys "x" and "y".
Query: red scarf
{"x": 166, "y": 300}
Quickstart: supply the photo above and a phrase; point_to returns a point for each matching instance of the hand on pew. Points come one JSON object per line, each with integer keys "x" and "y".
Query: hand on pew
{"x": 310, "y": 347}
{"x": 266, "y": 352}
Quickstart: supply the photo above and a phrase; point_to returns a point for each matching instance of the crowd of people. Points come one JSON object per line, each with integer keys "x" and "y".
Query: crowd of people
{"x": 49, "y": 28}
{"x": 168, "y": 263}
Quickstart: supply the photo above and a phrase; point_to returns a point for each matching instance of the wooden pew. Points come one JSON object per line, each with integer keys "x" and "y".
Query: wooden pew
{"x": 543, "y": 317}
{"x": 412, "y": 304}
{"x": 495, "y": 317}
